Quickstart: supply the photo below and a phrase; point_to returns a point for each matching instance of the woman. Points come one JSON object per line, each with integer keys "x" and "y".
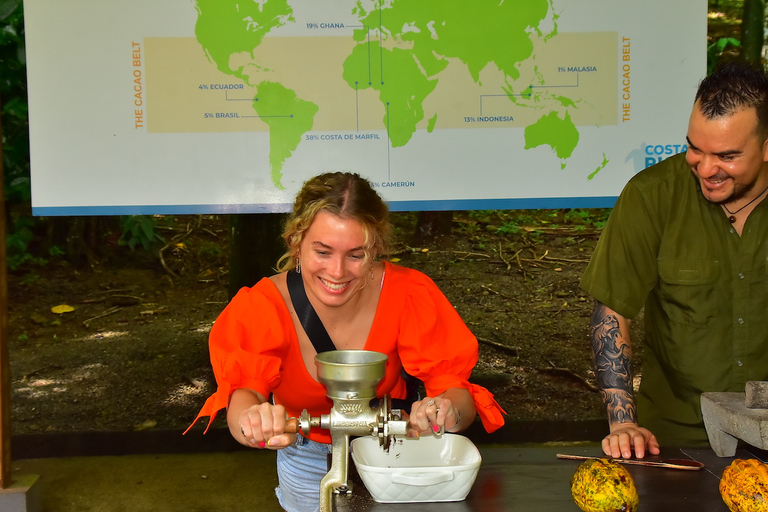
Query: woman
{"x": 259, "y": 348}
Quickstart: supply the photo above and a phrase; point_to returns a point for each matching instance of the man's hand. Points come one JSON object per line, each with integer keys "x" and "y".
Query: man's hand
{"x": 628, "y": 437}
{"x": 612, "y": 357}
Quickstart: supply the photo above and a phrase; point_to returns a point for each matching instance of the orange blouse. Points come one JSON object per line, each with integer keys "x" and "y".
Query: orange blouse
{"x": 254, "y": 345}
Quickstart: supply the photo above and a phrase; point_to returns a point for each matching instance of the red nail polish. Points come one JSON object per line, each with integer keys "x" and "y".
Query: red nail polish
{"x": 435, "y": 428}
{"x": 262, "y": 444}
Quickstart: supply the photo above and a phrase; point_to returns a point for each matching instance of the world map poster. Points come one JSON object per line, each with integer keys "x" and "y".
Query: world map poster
{"x": 222, "y": 106}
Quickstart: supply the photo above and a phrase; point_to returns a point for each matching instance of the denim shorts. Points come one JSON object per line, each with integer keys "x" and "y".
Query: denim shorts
{"x": 300, "y": 468}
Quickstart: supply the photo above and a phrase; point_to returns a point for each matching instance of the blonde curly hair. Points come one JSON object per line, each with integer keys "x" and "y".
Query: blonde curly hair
{"x": 346, "y": 195}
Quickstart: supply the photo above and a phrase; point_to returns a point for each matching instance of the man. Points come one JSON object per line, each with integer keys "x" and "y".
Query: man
{"x": 687, "y": 240}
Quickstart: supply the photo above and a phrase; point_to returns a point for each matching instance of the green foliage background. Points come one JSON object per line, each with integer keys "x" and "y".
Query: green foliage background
{"x": 13, "y": 93}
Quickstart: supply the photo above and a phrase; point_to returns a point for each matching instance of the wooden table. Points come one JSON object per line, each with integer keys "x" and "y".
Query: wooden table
{"x": 533, "y": 479}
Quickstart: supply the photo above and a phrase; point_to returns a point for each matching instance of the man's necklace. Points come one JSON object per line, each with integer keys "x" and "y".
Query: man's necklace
{"x": 732, "y": 217}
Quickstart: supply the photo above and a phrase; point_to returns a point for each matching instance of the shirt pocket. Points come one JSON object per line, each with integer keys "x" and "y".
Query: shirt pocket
{"x": 688, "y": 292}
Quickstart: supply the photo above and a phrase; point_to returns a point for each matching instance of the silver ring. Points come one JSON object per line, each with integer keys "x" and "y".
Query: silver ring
{"x": 242, "y": 431}
{"x": 431, "y": 402}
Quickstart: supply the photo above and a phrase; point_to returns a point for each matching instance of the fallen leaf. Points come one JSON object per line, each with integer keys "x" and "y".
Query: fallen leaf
{"x": 37, "y": 318}
{"x": 62, "y": 308}
{"x": 394, "y": 260}
{"x": 145, "y": 425}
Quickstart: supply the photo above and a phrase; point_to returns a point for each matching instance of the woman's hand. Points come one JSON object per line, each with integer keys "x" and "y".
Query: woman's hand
{"x": 263, "y": 426}
{"x": 256, "y": 423}
{"x": 628, "y": 437}
{"x": 428, "y": 415}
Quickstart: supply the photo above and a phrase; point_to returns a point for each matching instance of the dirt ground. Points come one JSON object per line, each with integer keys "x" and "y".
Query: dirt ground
{"x": 132, "y": 354}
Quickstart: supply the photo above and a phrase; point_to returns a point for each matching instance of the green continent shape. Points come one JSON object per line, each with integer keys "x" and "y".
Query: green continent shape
{"x": 565, "y": 101}
{"x": 599, "y": 167}
{"x": 227, "y": 27}
{"x": 288, "y": 117}
{"x": 402, "y": 87}
{"x": 431, "y": 123}
{"x": 419, "y": 39}
{"x": 485, "y": 32}
{"x": 560, "y": 134}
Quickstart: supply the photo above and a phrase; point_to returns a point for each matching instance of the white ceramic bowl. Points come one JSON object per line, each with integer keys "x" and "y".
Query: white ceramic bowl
{"x": 417, "y": 470}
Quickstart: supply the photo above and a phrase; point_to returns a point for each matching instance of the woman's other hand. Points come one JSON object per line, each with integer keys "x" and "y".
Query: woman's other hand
{"x": 428, "y": 415}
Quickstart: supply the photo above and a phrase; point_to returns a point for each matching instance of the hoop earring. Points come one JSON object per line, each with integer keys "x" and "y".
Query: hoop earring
{"x": 297, "y": 267}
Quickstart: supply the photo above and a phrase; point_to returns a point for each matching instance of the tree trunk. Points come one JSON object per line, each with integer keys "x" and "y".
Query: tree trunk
{"x": 255, "y": 246}
{"x": 81, "y": 238}
{"x": 431, "y": 225}
{"x": 5, "y": 364}
{"x": 753, "y": 31}
{"x": 765, "y": 32}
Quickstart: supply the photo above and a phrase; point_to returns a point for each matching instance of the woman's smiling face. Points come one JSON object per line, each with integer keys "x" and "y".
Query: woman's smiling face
{"x": 334, "y": 265}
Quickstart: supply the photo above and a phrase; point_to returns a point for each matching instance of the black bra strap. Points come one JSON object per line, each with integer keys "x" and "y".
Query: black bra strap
{"x": 312, "y": 324}
{"x": 322, "y": 342}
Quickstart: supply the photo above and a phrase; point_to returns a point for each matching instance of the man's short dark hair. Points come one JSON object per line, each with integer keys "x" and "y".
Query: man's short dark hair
{"x": 733, "y": 86}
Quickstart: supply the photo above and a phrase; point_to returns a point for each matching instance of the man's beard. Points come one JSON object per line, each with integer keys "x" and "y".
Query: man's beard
{"x": 739, "y": 191}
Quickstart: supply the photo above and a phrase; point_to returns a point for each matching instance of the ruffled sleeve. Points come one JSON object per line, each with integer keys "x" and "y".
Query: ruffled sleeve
{"x": 437, "y": 347}
{"x": 247, "y": 343}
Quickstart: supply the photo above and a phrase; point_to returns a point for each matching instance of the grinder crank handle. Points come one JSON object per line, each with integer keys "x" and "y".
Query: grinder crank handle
{"x": 292, "y": 426}
{"x": 301, "y": 424}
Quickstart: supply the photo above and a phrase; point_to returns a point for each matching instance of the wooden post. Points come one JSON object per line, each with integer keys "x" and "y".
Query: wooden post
{"x": 5, "y": 365}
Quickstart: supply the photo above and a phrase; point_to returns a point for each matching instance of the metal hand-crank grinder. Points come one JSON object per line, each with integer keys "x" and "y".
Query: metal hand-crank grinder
{"x": 350, "y": 378}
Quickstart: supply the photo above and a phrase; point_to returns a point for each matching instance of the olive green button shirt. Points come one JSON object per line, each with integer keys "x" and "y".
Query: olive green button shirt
{"x": 704, "y": 288}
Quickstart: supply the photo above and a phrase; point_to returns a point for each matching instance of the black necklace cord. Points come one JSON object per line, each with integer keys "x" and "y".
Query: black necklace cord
{"x": 732, "y": 217}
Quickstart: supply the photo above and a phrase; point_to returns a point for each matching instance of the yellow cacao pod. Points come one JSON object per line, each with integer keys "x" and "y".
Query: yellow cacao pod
{"x": 744, "y": 486}
{"x": 601, "y": 485}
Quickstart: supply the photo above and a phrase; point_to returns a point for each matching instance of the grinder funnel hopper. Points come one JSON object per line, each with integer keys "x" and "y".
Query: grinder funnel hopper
{"x": 350, "y": 374}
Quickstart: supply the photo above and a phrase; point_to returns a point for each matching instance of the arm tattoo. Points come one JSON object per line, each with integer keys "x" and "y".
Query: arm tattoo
{"x": 611, "y": 356}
